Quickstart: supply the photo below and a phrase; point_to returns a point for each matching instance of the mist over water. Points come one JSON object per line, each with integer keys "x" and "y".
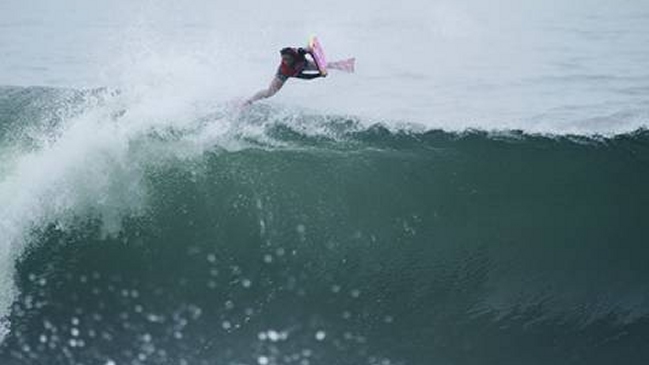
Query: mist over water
{"x": 558, "y": 67}
{"x": 473, "y": 194}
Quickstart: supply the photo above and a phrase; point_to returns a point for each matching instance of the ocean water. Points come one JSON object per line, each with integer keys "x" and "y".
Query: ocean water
{"x": 474, "y": 194}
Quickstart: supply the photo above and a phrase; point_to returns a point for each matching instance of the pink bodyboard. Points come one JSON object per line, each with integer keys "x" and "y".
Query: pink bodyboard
{"x": 318, "y": 55}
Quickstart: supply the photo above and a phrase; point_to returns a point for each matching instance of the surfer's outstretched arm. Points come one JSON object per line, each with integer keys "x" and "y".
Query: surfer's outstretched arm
{"x": 308, "y": 76}
{"x": 274, "y": 87}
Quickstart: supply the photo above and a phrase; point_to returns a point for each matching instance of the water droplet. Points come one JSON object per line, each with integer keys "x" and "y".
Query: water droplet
{"x": 273, "y": 335}
{"x": 320, "y": 335}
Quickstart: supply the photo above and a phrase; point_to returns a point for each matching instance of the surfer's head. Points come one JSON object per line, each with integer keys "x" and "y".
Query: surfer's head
{"x": 289, "y": 55}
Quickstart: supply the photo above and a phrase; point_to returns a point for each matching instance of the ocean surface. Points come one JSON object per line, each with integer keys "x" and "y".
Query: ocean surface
{"x": 475, "y": 194}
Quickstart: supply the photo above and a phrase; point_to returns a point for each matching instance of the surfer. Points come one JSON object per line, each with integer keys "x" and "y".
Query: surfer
{"x": 294, "y": 64}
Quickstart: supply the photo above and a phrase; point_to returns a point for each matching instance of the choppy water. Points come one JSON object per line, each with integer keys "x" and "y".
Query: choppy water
{"x": 145, "y": 220}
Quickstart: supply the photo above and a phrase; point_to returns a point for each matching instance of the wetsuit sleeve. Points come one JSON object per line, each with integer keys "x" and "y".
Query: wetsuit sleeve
{"x": 280, "y": 75}
{"x": 306, "y": 76}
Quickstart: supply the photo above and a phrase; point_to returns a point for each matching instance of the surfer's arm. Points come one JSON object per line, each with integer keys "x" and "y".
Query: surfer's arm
{"x": 310, "y": 72}
{"x": 274, "y": 87}
{"x": 308, "y": 76}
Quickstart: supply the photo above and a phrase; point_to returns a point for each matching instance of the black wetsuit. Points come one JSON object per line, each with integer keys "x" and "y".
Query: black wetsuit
{"x": 302, "y": 68}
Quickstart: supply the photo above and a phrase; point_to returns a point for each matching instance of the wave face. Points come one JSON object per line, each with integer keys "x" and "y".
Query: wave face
{"x": 275, "y": 237}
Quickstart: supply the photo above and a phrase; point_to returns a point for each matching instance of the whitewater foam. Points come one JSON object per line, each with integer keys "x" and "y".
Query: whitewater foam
{"x": 88, "y": 166}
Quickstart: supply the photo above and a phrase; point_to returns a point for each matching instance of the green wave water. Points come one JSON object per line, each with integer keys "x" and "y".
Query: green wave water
{"x": 318, "y": 240}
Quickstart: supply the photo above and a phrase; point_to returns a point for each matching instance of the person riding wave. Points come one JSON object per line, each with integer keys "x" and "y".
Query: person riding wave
{"x": 294, "y": 64}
